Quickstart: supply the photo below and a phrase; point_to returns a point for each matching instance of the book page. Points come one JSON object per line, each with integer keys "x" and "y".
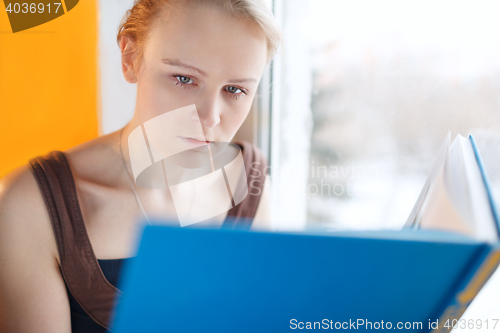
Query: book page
{"x": 483, "y": 221}
{"x": 456, "y": 181}
{"x": 412, "y": 220}
{"x": 440, "y": 213}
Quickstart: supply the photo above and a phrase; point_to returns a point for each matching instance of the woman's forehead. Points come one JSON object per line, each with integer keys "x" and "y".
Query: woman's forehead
{"x": 209, "y": 40}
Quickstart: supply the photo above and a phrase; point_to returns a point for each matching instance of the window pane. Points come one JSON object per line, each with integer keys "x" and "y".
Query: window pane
{"x": 390, "y": 78}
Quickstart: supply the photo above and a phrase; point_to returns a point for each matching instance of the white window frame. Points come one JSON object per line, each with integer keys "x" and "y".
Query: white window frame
{"x": 284, "y": 119}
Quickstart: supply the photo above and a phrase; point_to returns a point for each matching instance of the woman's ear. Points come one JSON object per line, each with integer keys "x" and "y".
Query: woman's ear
{"x": 127, "y": 48}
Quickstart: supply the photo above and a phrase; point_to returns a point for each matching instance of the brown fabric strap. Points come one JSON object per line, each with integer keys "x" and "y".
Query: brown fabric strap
{"x": 79, "y": 265}
{"x": 241, "y": 216}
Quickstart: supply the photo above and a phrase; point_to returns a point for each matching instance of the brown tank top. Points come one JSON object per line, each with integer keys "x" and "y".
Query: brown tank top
{"x": 79, "y": 266}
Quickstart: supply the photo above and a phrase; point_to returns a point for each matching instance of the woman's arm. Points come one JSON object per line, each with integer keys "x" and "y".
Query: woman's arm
{"x": 33, "y": 296}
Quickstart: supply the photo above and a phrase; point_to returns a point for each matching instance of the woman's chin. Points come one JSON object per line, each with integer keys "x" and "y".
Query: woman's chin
{"x": 191, "y": 158}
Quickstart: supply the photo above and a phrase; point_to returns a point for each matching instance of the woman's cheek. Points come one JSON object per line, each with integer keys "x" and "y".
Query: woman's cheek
{"x": 158, "y": 95}
{"x": 153, "y": 101}
{"x": 235, "y": 118}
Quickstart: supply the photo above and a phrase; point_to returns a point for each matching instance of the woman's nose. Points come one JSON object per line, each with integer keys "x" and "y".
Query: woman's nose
{"x": 208, "y": 112}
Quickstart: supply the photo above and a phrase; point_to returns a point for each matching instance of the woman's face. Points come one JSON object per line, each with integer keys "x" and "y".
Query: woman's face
{"x": 204, "y": 57}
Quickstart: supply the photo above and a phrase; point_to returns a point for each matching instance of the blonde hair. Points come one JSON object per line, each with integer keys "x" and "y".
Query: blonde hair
{"x": 138, "y": 20}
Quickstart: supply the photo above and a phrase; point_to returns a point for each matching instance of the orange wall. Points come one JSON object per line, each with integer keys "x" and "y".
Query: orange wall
{"x": 48, "y": 85}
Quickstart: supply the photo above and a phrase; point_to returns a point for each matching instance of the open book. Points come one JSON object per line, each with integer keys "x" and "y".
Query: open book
{"x": 457, "y": 196}
{"x": 421, "y": 278}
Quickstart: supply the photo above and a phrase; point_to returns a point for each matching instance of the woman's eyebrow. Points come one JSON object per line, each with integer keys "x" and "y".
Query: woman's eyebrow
{"x": 177, "y": 63}
{"x": 250, "y": 79}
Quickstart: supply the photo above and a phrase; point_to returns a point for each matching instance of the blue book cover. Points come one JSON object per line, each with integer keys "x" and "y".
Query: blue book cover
{"x": 196, "y": 280}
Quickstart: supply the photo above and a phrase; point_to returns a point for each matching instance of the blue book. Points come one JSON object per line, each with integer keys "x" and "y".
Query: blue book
{"x": 419, "y": 279}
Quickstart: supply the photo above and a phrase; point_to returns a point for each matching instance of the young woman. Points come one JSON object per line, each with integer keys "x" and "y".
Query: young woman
{"x": 62, "y": 211}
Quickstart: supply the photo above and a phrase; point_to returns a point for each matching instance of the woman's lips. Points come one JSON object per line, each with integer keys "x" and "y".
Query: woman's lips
{"x": 193, "y": 140}
{"x": 194, "y": 143}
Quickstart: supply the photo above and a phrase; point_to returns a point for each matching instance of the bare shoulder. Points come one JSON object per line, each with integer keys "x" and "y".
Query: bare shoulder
{"x": 21, "y": 199}
{"x": 22, "y": 209}
{"x": 32, "y": 292}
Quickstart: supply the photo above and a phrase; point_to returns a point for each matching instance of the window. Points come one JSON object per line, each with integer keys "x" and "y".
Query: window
{"x": 363, "y": 96}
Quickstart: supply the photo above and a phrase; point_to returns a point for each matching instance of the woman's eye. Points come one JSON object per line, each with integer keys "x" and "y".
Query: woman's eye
{"x": 184, "y": 79}
{"x": 234, "y": 90}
